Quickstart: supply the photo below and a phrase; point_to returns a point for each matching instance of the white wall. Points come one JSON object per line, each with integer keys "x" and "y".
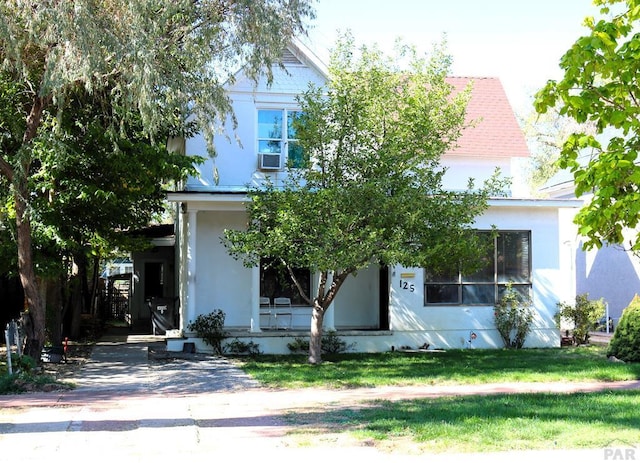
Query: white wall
{"x": 236, "y": 159}
{"x": 222, "y": 282}
{"x": 357, "y": 304}
{"x": 451, "y": 326}
{"x": 461, "y": 168}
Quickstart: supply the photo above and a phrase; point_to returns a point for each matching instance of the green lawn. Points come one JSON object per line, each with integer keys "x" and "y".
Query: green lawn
{"x": 470, "y": 423}
{"x": 471, "y": 366}
{"x": 484, "y": 423}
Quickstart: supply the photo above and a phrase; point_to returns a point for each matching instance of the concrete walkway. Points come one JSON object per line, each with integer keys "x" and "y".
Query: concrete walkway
{"x": 134, "y": 409}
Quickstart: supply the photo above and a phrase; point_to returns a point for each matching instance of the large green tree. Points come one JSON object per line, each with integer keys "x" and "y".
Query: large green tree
{"x": 600, "y": 87}
{"x": 92, "y": 187}
{"x": 146, "y": 60}
{"x": 368, "y": 189}
{"x": 89, "y": 186}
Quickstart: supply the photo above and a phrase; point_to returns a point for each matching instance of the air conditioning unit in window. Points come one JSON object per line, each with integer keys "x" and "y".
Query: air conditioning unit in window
{"x": 269, "y": 161}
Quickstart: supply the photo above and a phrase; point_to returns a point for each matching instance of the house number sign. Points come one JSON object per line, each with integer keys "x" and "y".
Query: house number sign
{"x": 407, "y": 285}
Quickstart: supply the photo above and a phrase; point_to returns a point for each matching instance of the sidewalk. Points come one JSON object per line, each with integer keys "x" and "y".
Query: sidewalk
{"x": 133, "y": 409}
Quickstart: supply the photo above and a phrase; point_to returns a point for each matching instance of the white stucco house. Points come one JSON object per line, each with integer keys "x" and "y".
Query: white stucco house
{"x": 382, "y": 308}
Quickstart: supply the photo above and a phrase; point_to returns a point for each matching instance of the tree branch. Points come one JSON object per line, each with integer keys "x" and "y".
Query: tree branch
{"x": 298, "y": 285}
{"x": 336, "y": 283}
{"x": 6, "y": 169}
{"x": 34, "y": 119}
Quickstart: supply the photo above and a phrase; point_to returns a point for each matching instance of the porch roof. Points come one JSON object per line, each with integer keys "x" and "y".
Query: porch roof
{"x": 235, "y": 201}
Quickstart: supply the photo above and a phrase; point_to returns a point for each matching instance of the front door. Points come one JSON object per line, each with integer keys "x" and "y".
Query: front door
{"x": 384, "y": 297}
{"x": 153, "y": 280}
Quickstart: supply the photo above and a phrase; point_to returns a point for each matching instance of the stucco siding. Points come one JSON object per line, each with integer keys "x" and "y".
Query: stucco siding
{"x": 448, "y": 326}
{"x": 461, "y": 168}
{"x": 357, "y": 304}
{"x": 222, "y": 282}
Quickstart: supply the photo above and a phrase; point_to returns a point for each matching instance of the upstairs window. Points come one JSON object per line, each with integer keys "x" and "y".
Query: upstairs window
{"x": 507, "y": 261}
{"x": 277, "y": 142}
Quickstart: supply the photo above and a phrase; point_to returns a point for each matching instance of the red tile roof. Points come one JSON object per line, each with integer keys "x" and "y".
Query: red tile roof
{"x": 496, "y": 132}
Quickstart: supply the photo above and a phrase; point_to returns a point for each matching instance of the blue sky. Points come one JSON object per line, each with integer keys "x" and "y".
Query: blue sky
{"x": 519, "y": 41}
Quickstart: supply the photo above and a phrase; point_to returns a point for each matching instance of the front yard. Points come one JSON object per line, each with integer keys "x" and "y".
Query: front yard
{"x": 465, "y": 423}
{"x": 468, "y": 366}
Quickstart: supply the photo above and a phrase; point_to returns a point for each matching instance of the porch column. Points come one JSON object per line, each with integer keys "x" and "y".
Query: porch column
{"x": 329, "y": 323}
{"x": 255, "y": 300}
{"x": 191, "y": 267}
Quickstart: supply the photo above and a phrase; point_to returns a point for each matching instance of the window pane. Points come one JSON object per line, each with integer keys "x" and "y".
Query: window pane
{"x": 523, "y": 290}
{"x": 442, "y": 294}
{"x": 303, "y": 276}
{"x": 485, "y": 274}
{"x": 291, "y": 131}
{"x": 295, "y": 155}
{"x": 269, "y": 146}
{"x": 270, "y": 124}
{"x": 478, "y": 294}
{"x": 275, "y": 281}
{"x": 513, "y": 257}
{"x": 442, "y": 276}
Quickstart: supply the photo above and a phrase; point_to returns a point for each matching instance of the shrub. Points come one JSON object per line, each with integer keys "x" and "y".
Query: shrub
{"x": 331, "y": 344}
{"x": 243, "y": 348}
{"x": 210, "y": 328}
{"x": 584, "y": 314}
{"x": 625, "y": 343}
{"x": 23, "y": 363}
{"x": 298, "y": 346}
{"x": 513, "y": 317}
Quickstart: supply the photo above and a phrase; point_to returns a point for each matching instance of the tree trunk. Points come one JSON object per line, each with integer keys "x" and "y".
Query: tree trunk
{"x": 34, "y": 306}
{"x": 95, "y": 277}
{"x": 75, "y": 306}
{"x": 315, "y": 339}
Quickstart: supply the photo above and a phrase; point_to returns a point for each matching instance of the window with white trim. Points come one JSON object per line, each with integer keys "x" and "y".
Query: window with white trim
{"x": 507, "y": 261}
{"x": 277, "y": 142}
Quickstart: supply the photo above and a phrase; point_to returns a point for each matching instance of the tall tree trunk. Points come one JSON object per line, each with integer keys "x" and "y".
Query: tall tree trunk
{"x": 35, "y": 317}
{"x": 95, "y": 276}
{"x": 34, "y": 306}
{"x": 315, "y": 339}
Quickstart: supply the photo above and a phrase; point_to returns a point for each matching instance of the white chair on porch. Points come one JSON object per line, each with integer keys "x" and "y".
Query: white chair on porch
{"x": 282, "y": 308}
{"x": 265, "y": 309}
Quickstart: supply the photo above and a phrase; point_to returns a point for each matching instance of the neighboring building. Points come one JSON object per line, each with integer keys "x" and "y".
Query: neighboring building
{"x": 381, "y": 308}
{"x": 611, "y": 273}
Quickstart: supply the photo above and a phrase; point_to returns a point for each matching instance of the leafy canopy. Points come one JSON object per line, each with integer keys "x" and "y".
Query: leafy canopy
{"x": 371, "y": 187}
{"x": 89, "y": 184}
{"x": 159, "y": 59}
{"x": 600, "y": 87}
